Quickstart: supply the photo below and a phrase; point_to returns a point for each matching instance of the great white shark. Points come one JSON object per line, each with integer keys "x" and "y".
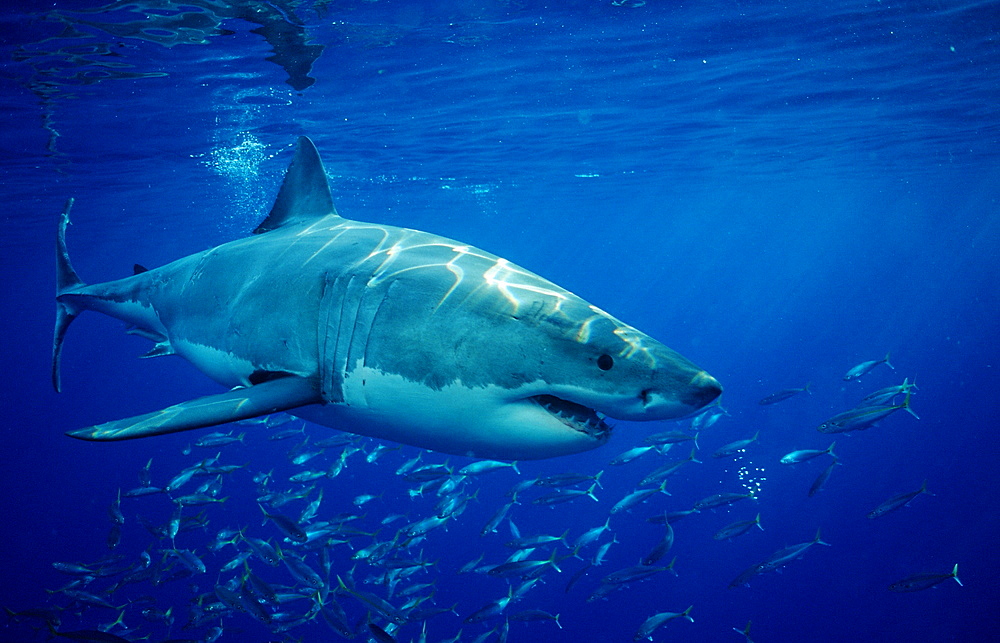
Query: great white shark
{"x": 386, "y": 332}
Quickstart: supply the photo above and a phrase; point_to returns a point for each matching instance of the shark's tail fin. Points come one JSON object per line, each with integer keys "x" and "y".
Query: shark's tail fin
{"x": 66, "y": 281}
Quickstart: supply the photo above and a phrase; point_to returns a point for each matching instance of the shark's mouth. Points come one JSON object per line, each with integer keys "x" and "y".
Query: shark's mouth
{"x": 575, "y": 416}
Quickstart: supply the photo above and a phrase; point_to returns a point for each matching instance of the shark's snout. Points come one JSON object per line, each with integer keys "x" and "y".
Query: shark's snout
{"x": 702, "y": 390}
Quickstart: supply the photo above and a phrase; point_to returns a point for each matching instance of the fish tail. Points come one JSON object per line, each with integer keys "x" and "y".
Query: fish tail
{"x": 886, "y": 360}
{"x": 906, "y": 405}
{"x": 551, "y": 561}
{"x": 819, "y": 541}
{"x": 830, "y": 449}
{"x": 692, "y": 458}
{"x": 590, "y": 492}
{"x": 66, "y": 281}
{"x": 806, "y": 388}
{"x": 954, "y": 574}
{"x": 514, "y": 466}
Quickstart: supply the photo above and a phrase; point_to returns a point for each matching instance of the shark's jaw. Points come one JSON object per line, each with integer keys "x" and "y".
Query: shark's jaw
{"x": 481, "y": 421}
{"x": 535, "y": 420}
{"x": 575, "y": 416}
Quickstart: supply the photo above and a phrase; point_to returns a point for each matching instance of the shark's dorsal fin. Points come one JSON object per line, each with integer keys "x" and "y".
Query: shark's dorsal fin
{"x": 305, "y": 193}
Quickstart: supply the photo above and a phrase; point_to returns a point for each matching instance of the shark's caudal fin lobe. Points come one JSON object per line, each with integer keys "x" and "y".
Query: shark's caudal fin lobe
{"x": 239, "y": 404}
{"x": 66, "y": 277}
{"x": 305, "y": 192}
{"x": 66, "y": 281}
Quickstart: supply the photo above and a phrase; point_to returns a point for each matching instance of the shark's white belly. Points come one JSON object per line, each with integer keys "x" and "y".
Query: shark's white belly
{"x": 482, "y": 422}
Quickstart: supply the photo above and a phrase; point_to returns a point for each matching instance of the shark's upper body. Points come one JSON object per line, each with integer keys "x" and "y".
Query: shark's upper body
{"x": 387, "y": 332}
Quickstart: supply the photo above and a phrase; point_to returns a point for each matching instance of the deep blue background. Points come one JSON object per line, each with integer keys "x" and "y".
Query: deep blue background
{"x": 777, "y": 193}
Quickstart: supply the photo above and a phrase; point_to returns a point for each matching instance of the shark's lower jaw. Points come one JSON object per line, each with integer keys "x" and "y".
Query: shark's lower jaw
{"x": 575, "y": 416}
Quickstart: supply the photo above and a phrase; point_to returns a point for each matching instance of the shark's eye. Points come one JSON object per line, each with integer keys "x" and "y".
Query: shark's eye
{"x": 604, "y": 362}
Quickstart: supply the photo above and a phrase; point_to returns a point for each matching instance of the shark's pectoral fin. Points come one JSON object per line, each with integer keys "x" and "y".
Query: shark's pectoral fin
{"x": 267, "y": 397}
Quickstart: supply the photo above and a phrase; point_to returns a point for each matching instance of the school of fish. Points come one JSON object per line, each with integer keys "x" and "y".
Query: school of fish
{"x": 359, "y": 566}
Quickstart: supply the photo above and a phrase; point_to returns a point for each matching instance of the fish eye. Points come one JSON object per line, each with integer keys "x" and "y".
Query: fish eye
{"x": 604, "y": 362}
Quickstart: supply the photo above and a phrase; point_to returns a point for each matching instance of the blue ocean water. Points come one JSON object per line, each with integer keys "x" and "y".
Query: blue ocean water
{"x": 777, "y": 192}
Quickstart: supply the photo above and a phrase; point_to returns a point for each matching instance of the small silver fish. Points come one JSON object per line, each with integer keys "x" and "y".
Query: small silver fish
{"x": 863, "y": 417}
{"x": 737, "y": 529}
{"x": 720, "y": 500}
{"x": 802, "y": 455}
{"x": 591, "y": 535}
{"x": 866, "y": 367}
{"x": 896, "y": 502}
{"x": 287, "y": 526}
{"x": 821, "y": 479}
{"x": 602, "y": 551}
{"x": 925, "y": 580}
{"x": 630, "y": 455}
{"x": 783, "y": 395}
{"x": 565, "y": 495}
{"x": 485, "y": 466}
{"x": 885, "y": 395}
{"x": 656, "y": 620}
{"x": 735, "y": 447}
{"x": 638, "y": 496}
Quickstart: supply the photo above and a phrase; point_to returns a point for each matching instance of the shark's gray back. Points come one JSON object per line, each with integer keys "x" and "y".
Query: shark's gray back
{"x": 339, "y": 292}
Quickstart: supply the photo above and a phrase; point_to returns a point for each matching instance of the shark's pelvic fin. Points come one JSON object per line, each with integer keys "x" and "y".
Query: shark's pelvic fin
{"x": 305, "y": 192}
{"x": 66, "y": 281}
{"x": 271, "y": 396}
